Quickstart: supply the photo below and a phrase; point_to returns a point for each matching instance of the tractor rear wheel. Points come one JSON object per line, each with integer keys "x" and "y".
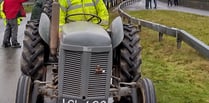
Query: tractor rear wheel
{"x": 35, "y": 53}
{"x": 130, "y": 61}
{"x": 32, "y": 63}
{"x": 35, "y": 50}
{"x": 130, "y": 57}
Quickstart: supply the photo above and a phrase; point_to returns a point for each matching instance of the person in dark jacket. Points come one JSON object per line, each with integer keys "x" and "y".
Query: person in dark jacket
{"x": 12, "y": 10}
{"x": 37, "y": 9}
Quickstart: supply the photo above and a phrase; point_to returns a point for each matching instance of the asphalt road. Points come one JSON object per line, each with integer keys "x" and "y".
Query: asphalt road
{"x": 163, "y": 6}
{"x": 10, "y": 65}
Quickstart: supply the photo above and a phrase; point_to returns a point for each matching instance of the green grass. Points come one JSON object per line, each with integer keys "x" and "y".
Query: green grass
{"x": 28, "y": 8}
{"x": 194, "y": 24}
{"x": 179, "y": 75}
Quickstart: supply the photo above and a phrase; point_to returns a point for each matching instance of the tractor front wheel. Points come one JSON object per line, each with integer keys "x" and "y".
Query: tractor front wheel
{"x": 23, "y": 89}
{"x": 146, "y": 91}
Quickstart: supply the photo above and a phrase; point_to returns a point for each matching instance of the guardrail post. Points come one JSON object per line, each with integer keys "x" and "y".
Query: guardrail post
{"x": 160, "y": 36}
{"x": 140, "y": 27}
{"x": 123, "y": 18}
{"x": 179, "y": 43}
{"x": 129, "y": 21}
{"x": 178, "y": 40}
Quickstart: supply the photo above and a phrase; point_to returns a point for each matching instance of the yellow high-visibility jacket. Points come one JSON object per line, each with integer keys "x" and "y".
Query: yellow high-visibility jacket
{"x": 96, "y": 7}
{"x": 2, "y": 15}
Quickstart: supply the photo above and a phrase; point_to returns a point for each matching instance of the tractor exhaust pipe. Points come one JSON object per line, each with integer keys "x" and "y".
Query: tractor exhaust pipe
{"x": 54, "y": 28}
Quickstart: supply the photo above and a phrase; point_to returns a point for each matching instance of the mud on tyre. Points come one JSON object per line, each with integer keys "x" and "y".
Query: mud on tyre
{"x": 130, "y": 61}
{"x": 127, "y": 59}
{"x": 35, "y": 50}
{"x": 130, "y": 57}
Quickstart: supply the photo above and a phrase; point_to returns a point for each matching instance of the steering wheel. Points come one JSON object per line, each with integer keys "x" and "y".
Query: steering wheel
{"x": 92, "y": 16}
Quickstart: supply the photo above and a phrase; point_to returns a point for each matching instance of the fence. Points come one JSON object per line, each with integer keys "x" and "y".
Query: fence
{"x": 180, "y": 35}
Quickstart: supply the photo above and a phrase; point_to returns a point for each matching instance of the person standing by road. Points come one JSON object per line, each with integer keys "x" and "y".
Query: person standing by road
{"x": 176, "y": 2}
{"x": 155, "y": 3}
{"x": 148, "y": 4}
{"x": 12, "y": 10}
{"x": 37, "y": 9}
{"x": 170, "y": 2}
{"x": 2, "y": 15}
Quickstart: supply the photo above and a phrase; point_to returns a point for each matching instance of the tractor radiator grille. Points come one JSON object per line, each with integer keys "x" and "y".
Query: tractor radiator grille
{"x": 97, "y": 82}
{"x": 72, "y": 73}
{"x": 79, "y": 74}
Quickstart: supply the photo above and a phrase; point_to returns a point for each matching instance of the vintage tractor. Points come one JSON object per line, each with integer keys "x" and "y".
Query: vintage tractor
{"x": 88, "y": 64}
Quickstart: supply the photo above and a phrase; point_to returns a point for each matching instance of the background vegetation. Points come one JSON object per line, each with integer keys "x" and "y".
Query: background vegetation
{"x": 28, "y": 8}
{"x": 179, "y": 75}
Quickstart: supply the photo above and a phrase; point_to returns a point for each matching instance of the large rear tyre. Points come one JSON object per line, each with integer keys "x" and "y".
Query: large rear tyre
{"x": 34, "y": 55}
{"x": 130, "y": 54}
{"x": 146, "y": 91}
{"x": 130, "y": 61}
{"x": 23, "y": 89}
{"x": 35, "y": 50}
{"x": 128, "y": 57}
{"x": 32, "y": 63}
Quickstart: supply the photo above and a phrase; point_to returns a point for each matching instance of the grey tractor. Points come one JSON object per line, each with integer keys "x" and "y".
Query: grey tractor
{"x": 86, "y": 64}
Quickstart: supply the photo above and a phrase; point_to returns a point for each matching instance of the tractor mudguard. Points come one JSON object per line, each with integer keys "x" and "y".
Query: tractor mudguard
{"x": 117, "y": 34}
{"x": 44, "y": 28}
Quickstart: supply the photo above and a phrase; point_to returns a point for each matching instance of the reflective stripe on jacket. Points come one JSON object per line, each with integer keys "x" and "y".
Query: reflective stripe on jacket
{"x": 96, "y": 7}
{"x": 2, "y": 13}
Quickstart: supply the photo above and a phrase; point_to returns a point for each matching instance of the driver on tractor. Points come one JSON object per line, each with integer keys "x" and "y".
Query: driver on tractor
{"x": 69, "y": 9}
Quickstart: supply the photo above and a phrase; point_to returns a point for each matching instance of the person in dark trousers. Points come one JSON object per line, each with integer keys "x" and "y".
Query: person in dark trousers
{"x": 37, "y": 9}
{"x": 176, "y": 2}
{"x": 170, "y": 3}
{"x": 12, "y": 10}
{"x": 148, "y": 4}
{"x": 155, "y": 3}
